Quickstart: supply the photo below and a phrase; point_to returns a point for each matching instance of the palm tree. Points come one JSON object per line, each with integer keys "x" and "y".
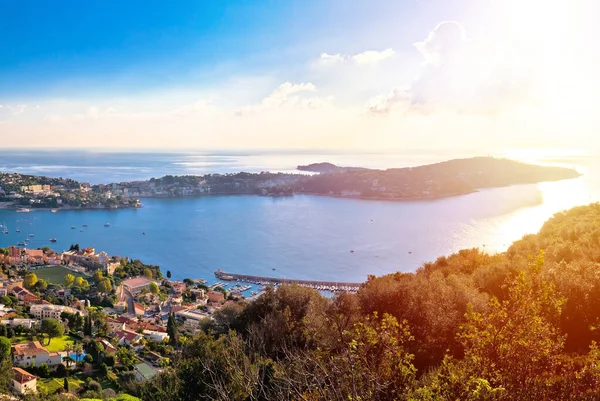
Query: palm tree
{"x": 68, "y": 349}
{"x": 68, "y": 360}
{"x": 78, "y": 349}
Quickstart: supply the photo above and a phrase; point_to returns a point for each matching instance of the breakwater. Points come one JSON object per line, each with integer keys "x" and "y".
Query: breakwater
{"x": 334, "y": 286}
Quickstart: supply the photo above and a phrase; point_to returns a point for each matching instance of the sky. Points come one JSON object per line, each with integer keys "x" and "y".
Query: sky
{"x": 306, "y": 74}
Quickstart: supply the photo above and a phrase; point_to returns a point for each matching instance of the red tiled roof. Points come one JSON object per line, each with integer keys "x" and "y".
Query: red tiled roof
{"x": 29, "y": 349}
{"x": 22, "y": 376}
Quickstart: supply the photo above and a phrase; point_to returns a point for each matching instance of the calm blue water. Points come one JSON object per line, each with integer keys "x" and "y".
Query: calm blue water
{"x": 304, "y": 237}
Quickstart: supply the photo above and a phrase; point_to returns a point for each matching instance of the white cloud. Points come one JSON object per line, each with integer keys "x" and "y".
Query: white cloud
{"x": 372, "y": 56}
{"x": 458, "y": 74}
{"x": 364, "y": 58}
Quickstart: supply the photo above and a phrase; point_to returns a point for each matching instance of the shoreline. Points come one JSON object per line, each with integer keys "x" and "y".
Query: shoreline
{"x": 14, "y": 208}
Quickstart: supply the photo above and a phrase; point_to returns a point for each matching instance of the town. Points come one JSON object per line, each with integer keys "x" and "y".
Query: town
{"x": 22, "y": 192}
{"x": 95, "y": 325}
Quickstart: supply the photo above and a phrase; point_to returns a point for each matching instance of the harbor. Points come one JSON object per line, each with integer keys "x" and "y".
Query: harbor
{"x": 260, "y": 280}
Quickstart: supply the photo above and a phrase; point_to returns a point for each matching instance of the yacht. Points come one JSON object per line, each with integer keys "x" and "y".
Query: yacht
{"x": 52, "y": 239}
{"x": 107, "y": 225}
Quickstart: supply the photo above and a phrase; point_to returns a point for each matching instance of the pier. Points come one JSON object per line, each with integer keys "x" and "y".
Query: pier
{"x": 334, "y": 286}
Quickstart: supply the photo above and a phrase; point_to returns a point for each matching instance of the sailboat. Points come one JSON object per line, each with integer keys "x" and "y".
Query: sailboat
{"x": 18, "y": 229}
{"x": 5, "y": 231}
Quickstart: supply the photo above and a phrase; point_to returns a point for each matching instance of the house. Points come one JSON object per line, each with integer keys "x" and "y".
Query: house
{"x": 143, "y": 372}
{"x": 216, "y": 296}
{"x": 108, "y": 347}
{"x": 25, "y": 297}
{"x": 115, "y": 325}
{"x": 34, "y": 354}
{"x": 156, "y": 336}
{"x": 35, "y": 256}
{"x": 23, "y": 382}
{"x": 50, "y": 311}
{"x": 127, "y": 337}
{"x": 135, "y": 285}
{"x": 153, "y": 358}
{"x": 26, "y": 323}
{"x": 138, "y": 309}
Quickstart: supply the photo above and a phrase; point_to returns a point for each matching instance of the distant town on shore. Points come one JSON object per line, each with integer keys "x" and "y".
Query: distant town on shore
{"x": 450, "y": 178}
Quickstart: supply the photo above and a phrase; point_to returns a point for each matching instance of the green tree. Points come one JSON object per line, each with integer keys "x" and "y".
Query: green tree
{"x": 103, "y": 370}
{"x": 105, "y": 285}
{"x": 517, "y": 342}
{"x": 41, "y": 285}
{"x": 52, "y": 328}
{"x": 148, "y": 272}
{"x": 30, "y": 280}
{"x": 5, "y": 346}
{"x": 98, "y": 276}
{"x": 172, "y": 330}
{"x": 126, "y": 357}
{"x": 153, "y": 288}
{"x": 69, "y": 280}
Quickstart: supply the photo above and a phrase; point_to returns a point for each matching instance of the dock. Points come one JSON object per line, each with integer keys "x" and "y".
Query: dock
{"x": 334, "y": 286}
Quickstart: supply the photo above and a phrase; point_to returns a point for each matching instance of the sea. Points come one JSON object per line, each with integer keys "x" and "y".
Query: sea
{"x": 301, "y": 237}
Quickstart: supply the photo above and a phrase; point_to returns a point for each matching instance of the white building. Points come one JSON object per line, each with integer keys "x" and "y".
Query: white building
{"x": 155, "y": 335}
{"x": 23, "y": 382}
{"x": 50, "y": 311}
{"x": 34, "y": 354}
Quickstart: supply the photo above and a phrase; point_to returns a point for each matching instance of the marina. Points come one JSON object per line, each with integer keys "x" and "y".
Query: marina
{"x": 261, "y": 280}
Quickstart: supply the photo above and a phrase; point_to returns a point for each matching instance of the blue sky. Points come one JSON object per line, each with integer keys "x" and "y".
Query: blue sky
{"x": 59, "y": 46}
{"x": 306, "y": 73}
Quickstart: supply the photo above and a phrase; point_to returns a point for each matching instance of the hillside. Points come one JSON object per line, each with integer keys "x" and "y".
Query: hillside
{"x": 448, "y": 178}
{"x": 471, "y": 326}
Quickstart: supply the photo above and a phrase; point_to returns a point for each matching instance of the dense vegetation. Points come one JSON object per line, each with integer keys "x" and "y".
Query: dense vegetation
{"x": 435, "y": 180}
{"x": 515, "y": 326}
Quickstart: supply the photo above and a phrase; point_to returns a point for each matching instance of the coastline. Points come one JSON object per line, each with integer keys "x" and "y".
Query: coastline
{"x": 13, "y": 207}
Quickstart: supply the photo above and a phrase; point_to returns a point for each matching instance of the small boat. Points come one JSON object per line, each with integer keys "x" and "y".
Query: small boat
{"x": 23, "y": 210}
{"x": 143, "y": 233}
{"x": 21, "y": 244}
{"x": 53, "y": 211}
{"x": 72, "y": 227}
{"x": 273, "y": 269}
{"x": 85, "y": 225}
{"x": 52, "y": 239}
{"x": 351, "y": 250}
{"x": 106, "y": 224}
{"x": 80, "y": 231}
{"x": 32, "y": 235}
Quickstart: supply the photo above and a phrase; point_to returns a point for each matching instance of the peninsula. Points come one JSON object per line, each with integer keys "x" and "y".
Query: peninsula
{"x": 450, "y": 178}
{"x": 455, "y": 177}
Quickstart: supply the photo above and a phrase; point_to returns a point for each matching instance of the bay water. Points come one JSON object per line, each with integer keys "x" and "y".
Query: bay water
{"x": 303, "y": 237}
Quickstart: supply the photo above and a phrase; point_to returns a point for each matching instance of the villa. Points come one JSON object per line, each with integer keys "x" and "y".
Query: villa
{"x": 34, "y": 354}
{"x": 50, "y": 311}
{"x": 23, "y": 382}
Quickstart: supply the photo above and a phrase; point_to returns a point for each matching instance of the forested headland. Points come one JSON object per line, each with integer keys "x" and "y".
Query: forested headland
{"x": 521, "y": 325}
